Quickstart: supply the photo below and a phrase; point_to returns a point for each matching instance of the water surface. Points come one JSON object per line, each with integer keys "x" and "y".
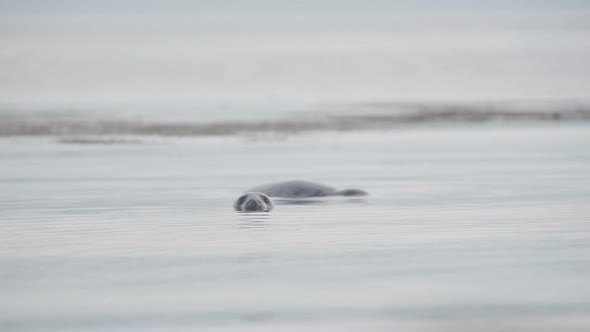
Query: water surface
{"x": 475, "y": 228}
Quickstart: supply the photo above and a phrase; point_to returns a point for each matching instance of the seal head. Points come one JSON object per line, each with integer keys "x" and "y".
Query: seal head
{"x": 253, "y": 201}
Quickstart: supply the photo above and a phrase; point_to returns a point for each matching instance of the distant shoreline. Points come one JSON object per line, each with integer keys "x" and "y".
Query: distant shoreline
{"x": 350, "y": 118}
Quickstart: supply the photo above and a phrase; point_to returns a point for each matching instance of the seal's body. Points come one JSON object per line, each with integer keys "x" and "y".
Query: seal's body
{"x": 300, "y": 189}
{"x": 253, "y": 201}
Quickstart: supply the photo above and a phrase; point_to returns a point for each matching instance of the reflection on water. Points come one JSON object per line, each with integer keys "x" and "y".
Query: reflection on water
{"x": 253, "y": 219}
{"x": 465, "y": 229}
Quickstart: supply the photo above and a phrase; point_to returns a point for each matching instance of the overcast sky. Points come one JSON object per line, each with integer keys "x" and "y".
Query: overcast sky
{"x": 60, "y": 7}
{"x": 93, "y": 52}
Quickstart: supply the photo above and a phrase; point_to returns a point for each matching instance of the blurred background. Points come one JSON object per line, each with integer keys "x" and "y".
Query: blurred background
{"x": 215, "y": 57}
{"x": 128, "y": 129}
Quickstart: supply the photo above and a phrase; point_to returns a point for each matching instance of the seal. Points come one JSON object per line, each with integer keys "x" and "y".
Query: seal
{"x": 300, "y": 189}
{"x": 253, "y": 201}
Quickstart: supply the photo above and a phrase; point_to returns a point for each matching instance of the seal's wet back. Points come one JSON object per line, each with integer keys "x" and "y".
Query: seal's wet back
{"x": 298, "y": 189}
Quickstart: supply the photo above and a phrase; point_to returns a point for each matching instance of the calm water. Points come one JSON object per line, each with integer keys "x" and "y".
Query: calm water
{"x": 472, "y": 227}
{"x": 128, "y": 129}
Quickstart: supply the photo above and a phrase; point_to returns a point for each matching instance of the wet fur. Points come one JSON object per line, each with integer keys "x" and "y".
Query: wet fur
{"x": 253, "y": 201}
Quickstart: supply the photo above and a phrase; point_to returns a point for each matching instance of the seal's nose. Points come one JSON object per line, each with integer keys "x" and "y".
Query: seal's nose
{"x": 252, "y": 205}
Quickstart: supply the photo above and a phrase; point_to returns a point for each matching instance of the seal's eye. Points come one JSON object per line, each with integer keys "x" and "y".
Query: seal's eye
{"x": 241, "y": 200}
{"x": 266, "y": 200}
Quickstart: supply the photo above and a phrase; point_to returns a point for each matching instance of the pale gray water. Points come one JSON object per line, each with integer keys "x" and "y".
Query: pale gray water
{"x": 473, "y": 228}
{"x": 128, "y": 128}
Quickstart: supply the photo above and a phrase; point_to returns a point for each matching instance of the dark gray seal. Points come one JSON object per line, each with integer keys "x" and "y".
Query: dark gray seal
{"x": 253, "y": 201}
{"x": 300, "y": 189}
